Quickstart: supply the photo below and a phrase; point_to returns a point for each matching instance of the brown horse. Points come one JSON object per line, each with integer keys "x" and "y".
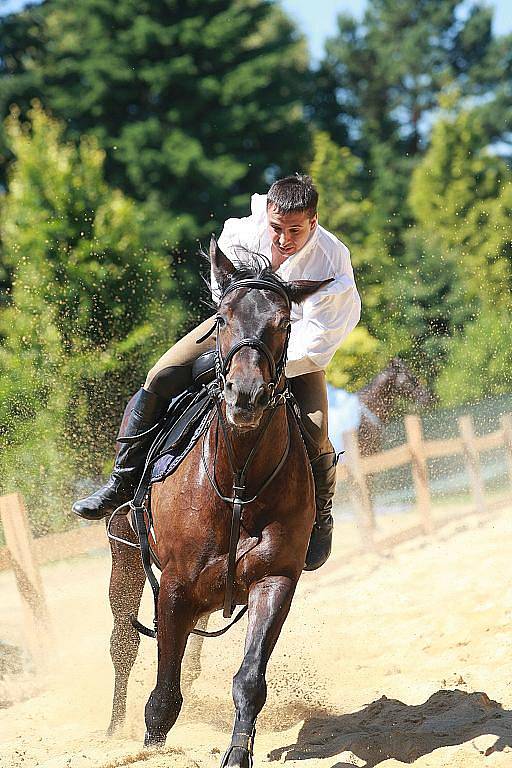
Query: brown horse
{"x": 192, "y": 522}
{"x": 378, "y": 400}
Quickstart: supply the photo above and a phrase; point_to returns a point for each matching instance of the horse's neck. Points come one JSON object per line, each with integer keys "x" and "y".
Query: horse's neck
{"x": 270, "y": 448}
{"x": 379, "y": 396}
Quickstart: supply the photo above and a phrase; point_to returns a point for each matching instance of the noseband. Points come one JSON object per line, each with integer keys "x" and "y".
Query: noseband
{"x": 239, "y": 498}
{"x": 222, "y": 364}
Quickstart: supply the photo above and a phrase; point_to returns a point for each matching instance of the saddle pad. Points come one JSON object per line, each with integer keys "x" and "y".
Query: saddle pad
{"x": 182, "y": 436}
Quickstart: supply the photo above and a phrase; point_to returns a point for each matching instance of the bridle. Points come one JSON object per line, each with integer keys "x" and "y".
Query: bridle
{"x": 238, "y": 499}
{"x": 222, "y": 364}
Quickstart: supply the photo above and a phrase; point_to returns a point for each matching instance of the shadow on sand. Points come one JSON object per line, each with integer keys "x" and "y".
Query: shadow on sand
{"x": 387, "y": 728}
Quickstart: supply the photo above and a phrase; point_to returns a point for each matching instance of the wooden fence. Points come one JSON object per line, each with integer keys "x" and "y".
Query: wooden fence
{"x": 20, "y": 554}
{"x": 23, "y": 555}
{"x": 416, "y": 451}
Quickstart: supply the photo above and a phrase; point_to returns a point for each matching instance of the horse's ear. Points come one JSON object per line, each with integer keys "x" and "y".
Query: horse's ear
{"x": 298, "y": 290}
{"x": 221, "y": 265}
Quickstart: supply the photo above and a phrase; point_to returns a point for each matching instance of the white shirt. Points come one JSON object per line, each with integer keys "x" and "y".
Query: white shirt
{"x": 322, "y": 321}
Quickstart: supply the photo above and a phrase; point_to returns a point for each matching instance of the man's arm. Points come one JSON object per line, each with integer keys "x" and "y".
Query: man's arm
{"x": 328, "y": 317}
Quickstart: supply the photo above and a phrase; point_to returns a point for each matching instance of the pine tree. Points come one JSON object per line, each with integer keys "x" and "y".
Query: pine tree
{"x": 196, "y": 103}
{"x": 379, "y": 84}
{"x": 429, "y": 304}
{"x": 385, "y": 74}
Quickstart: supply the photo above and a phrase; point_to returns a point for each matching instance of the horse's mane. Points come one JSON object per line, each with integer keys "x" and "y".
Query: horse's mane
{"x": 252, "y": 265}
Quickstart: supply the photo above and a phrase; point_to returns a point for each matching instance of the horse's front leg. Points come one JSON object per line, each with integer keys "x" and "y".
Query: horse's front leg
{"x": 175, "y": 621}
{"x": 269, "y": 603}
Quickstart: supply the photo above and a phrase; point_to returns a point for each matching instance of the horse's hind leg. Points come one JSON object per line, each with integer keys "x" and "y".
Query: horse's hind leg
{"x": 269, "y": 603}
{"x": 126, "y": 585}
{"x": 175, "y": 621}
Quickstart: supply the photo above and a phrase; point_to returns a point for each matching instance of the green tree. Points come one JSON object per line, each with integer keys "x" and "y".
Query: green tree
{"x": 359, "y": 358}
{"x": 428, "y": 300}
{"x": 195, "y": 103}
{"x": 480, "y": 362}
{"x": 461, "y": 195}
{"x": 85, "y": 313}
{"x": 380, "y": 82}
{"x": 345, "y": 212}
{"x": 461, "y": 191}
{"x": 385, "y": 73}
{"x": 413, "y": 302}
{"x": 338, "y": 176}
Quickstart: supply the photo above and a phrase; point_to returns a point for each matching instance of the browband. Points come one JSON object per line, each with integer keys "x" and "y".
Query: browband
{"x": 256, "y": 282}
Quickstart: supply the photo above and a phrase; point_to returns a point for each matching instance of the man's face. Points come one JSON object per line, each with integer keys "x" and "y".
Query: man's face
{"x": 289, "y": 232}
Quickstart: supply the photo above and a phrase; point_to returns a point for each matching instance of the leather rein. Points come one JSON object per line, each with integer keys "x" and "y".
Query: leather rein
{"x": 238, "y": 498}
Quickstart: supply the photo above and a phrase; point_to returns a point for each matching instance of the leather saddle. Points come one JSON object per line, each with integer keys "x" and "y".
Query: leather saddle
{"x": 186, "y": 420}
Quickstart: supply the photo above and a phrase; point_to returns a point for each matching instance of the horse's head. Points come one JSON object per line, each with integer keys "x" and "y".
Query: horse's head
{"x": 253, "y": 328}
{"x": 408, "y": 386}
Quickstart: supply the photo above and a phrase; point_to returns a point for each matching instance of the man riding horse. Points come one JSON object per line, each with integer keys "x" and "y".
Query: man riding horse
{"x": 283, "y": 227}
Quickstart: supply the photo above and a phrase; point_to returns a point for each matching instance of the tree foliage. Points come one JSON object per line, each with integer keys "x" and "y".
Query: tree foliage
{"x": 379, "y": 86}
{"x": 480, "y": 362}
{"x": 194, "y": 103}
{"x": 414, "y": 98}
{"x": 462, "y": 191}
{"x": 345, "y": 211}
{"x": 166, "y": 117}
{"x": 382, "y": 77}
{"x": 461, "y": 194}
{"x": 85, "y": 301}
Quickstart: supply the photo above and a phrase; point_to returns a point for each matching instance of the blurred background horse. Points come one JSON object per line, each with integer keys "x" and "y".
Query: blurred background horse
{"x": 369, "y": 409}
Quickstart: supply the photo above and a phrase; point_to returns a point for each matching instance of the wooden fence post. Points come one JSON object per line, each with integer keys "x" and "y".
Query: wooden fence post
{"x": 506, "y": 424}
{"x": 28, "y": 578}
{"x": 414, "y": 431}
{"x": 359, "y": 488}
{"x": 467, "y": 434}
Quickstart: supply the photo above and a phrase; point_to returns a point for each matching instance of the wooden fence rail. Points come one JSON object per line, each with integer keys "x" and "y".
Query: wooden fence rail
{"x": 20, "y": 549}
{"x": 23, "y": 554}
{"x": 416, "y": 452}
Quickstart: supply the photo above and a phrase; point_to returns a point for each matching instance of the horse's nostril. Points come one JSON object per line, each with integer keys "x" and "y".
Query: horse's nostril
{"x": 261, "y": 397}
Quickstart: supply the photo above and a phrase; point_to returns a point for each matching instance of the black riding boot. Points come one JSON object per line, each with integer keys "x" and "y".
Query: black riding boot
{"x": 324, "y": 474}
{"x": 122, "y": 483}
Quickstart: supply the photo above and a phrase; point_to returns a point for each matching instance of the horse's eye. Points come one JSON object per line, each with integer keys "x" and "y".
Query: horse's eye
{"x": 221, "y": 321}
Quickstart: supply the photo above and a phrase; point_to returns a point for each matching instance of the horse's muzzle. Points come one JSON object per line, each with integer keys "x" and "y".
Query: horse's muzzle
{"x": 245, "y": 406}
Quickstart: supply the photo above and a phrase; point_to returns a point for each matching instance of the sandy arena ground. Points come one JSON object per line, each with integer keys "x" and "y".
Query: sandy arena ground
{"x": 384, "y": 661}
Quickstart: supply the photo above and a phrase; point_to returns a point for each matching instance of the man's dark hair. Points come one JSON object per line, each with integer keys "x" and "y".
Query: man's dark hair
{"x": 294, "y": 194}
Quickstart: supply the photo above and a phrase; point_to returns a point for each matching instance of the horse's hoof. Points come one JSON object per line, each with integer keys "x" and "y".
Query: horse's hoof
{"x": 237, "y": 757}
{"x": 115, "y": 729}
{"x": 151, "y": 741}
